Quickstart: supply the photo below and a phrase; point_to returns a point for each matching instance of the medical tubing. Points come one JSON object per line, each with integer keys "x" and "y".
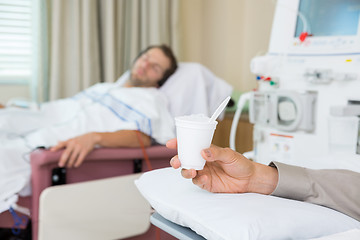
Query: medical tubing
{"x": 146, "y": 157}
{"x": 147, "y": 160}
{"x": 241, "y": 103}
{"x": 18, "y": 221}
{"x": 306, "y": 25}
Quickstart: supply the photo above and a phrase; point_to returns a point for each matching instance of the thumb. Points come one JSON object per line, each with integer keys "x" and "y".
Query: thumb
{"x": 215, "y": 153}
{"x": 172, "y": 143}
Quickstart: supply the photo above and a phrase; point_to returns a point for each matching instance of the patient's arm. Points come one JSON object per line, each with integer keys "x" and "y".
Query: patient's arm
{"x": 122, "y": 138}
{"x": 227, "y": 171}
{"x": 78, "y": 147}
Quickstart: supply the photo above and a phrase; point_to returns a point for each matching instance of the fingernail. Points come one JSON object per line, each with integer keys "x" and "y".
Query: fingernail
{"x": 172, "y": 159}
{"x": 207, "y": 153}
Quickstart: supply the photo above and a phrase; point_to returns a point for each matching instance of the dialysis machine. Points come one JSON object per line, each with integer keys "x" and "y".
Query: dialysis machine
{"x": 306, "y": 108}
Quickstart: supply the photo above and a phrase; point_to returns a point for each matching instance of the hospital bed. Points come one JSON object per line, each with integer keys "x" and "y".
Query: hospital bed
{"x": 101, "y": 163}
{"x": 196, "y": 82}
{"x": 305, "y": 112}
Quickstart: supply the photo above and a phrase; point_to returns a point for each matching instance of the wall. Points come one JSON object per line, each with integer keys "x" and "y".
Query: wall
{"x": 225, "y": 35}
{"x": 10, "y": 91}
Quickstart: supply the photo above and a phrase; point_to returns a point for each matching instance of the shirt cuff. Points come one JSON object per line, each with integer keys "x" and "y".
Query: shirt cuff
{"x": 293, "y": 182}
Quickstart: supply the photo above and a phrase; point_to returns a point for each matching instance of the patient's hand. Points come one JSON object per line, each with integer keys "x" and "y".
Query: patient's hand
{"x": 227, "y": 171}
{"x": 76, "y": 149}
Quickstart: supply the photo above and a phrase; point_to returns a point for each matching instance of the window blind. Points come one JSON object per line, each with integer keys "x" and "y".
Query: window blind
{"x": 16, "y": 41}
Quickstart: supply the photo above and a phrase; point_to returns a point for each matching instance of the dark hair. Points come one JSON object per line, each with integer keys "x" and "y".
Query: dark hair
{"x": 169, "y": 54}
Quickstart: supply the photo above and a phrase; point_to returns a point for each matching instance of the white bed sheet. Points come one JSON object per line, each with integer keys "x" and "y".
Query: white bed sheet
{"x": 237, "y": 216}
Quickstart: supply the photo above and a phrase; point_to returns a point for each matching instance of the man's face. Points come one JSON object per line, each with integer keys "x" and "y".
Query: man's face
{"x": 149, "y": 68}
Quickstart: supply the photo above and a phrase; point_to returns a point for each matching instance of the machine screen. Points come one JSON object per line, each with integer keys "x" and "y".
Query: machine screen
{"x": 329, "y": 17}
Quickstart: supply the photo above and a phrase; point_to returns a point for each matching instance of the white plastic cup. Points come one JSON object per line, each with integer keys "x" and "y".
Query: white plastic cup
{"x": 194, "y": 133}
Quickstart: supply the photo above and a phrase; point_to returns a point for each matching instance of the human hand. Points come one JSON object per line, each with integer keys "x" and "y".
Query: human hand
{"x": 76, "y": 149}
{"x": 227, "y": 171}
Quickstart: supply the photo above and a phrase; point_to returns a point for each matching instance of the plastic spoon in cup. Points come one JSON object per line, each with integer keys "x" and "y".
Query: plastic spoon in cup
{"x": 219, "y": 109}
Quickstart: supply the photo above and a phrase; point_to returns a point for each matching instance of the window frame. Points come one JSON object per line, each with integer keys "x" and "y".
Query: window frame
{"x": 30, "y": 80}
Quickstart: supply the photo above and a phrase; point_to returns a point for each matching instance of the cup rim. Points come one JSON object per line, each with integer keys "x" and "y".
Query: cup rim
{"x": 196, "y": 125}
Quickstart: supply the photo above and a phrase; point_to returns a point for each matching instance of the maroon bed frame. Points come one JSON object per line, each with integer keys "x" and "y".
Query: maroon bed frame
{"x": 100, "y": 163}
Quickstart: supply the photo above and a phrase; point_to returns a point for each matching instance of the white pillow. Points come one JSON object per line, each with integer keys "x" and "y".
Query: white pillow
{"x": 194, "y": 89}
{"x": 237, "y": 216}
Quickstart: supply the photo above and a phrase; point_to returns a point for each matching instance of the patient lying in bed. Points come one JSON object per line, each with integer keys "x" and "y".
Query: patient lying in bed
{"x": 113, "y": 113}
{"x": 108, "y": 115}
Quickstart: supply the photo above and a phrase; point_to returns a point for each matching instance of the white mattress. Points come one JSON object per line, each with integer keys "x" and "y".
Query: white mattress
{"x": 237, "y": 216}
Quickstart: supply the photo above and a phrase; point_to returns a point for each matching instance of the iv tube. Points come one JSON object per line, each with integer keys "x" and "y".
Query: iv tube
{"x": 241, "y": 103}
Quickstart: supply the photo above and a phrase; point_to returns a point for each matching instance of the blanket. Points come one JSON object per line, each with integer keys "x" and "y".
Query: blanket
{"x": 105, "y": 107}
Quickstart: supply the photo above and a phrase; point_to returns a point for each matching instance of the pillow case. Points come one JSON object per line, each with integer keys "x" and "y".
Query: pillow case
{"x": 194, "y": 89}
